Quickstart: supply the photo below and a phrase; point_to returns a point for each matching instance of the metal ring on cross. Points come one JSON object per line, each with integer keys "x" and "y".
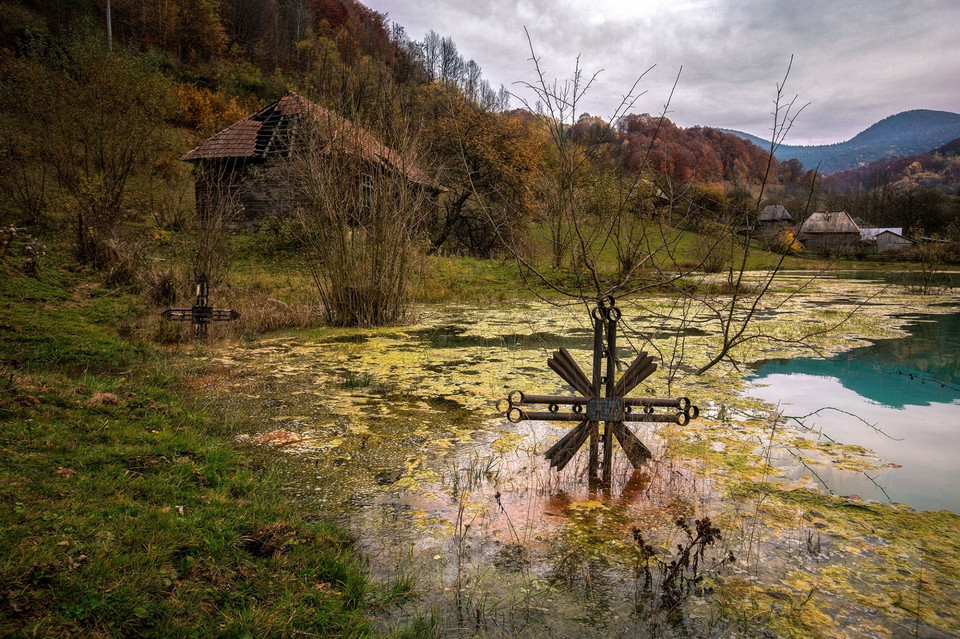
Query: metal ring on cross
{"x": 515, "y": 415}
{"x": 627, "y": 409}
{"x": 553, "y": 408}
{"x": 515, "y": 398}
{"x": 600, "y": 313}
{"x": 684, "y": 404}
{"x": 578, "y": 408}
{"x": 648, "y": 409}
{"x": 607, "y": 301}
{"x": 683, "y": 419}
{"x": 613, "y": 314}
{"x": 694, "y": 412}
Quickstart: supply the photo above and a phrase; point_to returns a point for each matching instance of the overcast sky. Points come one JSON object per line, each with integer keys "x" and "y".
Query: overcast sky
{"x": 855, "y": 62}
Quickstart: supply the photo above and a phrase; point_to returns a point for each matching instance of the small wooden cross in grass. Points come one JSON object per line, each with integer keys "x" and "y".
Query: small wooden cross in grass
{"x": 201, "y": 313}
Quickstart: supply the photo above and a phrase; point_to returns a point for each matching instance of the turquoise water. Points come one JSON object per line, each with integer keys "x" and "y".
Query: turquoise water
{"x": 947, "y": 278}
{"x": 899, "y": 397}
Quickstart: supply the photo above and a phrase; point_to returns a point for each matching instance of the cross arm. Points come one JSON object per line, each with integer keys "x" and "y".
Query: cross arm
{"x": 178, "y": 314}
{"x": 563, "y": 364}
{"x": 640, "y": 369}
{"x": 567, "y": 446}
{"x": 219, "y": 315}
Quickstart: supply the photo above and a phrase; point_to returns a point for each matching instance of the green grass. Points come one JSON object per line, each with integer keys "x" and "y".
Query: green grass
{"x": 125, "y": 509}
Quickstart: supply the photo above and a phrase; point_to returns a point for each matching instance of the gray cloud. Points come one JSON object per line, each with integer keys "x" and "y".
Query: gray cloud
{"x": 855, "y": 61}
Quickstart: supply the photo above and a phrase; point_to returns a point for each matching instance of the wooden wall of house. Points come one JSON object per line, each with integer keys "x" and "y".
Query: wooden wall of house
{"x": 216, "y": 186}
{"x": 890, "y": 242}
{"x": 245, "y": 192}
{"x": 830, "y": 241}
{"x": 260, "y": 194}
{"x": 251, "y": 192}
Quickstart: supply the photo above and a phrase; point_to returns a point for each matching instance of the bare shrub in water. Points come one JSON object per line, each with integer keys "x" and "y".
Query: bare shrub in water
{"x": 361, "y": 220}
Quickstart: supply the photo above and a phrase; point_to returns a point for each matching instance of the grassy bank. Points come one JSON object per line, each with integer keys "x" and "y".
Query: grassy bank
{"x": 126, "y": 510}
{"x": 269, "y": 281}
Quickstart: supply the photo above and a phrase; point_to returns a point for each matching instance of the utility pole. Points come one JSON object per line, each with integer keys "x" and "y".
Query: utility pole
{"x": 109, "y": 30}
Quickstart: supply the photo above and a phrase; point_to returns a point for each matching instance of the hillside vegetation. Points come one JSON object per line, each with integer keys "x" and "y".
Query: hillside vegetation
{"x": 937, "y": 169}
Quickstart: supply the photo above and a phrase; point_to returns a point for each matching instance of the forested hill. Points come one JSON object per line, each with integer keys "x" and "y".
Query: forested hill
{"x": 938, "y": 169}
{"x": 181, "y": 70}
{"x": 905, "y": 134}
{"x": 698, "y": 154}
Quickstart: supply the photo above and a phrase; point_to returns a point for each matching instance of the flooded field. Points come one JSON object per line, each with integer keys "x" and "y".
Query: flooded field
{"x": 396, "y": 432}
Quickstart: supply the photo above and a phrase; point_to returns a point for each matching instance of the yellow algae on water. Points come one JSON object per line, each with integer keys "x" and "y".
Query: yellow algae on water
{"x": 588, "y": 506}
{"x": 508, "y": 442}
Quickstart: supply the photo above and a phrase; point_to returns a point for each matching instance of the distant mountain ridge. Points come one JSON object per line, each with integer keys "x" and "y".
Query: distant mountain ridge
{"x": 938, "y": 169}
{"x": 904, "y": 134}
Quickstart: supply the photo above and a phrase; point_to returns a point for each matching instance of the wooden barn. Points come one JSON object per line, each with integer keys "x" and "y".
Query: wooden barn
{"x": 774, "y": 216}
{"x": 830, "y": 231}
{"x": 236, "y": 170}
{"x": 890, "y": 240}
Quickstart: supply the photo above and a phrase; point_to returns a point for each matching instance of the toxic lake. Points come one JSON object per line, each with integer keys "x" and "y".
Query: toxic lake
{"x": 396, "y": 433}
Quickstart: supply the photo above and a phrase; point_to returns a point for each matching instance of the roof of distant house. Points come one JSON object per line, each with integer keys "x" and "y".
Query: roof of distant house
{"x": 775, "y": 213}
{"x": 266, "y": 134}
{"x": 830, "y": 222}
{"x": 871, "y": 234}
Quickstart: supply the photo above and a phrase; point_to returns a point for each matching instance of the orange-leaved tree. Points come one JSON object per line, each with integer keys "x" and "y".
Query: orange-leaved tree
{"x": 487, "y": 163}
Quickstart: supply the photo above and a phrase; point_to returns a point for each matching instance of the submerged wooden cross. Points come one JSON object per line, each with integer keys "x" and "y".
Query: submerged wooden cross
{"x": 201, "y": 313}
{"x": 602, "y": 400}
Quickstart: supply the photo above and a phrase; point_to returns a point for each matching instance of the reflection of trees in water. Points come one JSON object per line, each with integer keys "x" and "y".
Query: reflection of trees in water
{"x": 921, "y": 369}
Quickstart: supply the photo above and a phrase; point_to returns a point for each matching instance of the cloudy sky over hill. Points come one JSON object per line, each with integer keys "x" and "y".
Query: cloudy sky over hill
{"x": 855, "y": 62}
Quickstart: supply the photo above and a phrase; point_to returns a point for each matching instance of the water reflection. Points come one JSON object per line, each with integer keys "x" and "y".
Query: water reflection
{"x": 907, "y": 388}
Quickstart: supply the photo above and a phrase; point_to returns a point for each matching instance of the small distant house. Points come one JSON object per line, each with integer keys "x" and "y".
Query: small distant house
{"x": 830, "y": 231}
{"x": 235, "y": 168}
{"x": 774, "y": 216}
{"x": 885, "y": 240}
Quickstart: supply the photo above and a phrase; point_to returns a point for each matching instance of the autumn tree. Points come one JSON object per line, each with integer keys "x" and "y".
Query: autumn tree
{"x": 592, "y": 207}
{"x": 487, "y": 164}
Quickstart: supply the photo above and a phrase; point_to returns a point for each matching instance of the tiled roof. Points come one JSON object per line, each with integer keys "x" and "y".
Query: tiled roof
{"x": 266, "y": 134}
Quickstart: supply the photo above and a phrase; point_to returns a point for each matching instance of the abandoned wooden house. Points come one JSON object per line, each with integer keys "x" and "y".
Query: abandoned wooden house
{"x": 237, "y": 171}
{"x": 830, "y": 231}
{"x": 774, "y": 216}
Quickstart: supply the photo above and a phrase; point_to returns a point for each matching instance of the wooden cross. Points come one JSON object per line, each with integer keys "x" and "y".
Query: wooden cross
{"x": 201, "y": 313}
{"x": 602, "y": 400}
